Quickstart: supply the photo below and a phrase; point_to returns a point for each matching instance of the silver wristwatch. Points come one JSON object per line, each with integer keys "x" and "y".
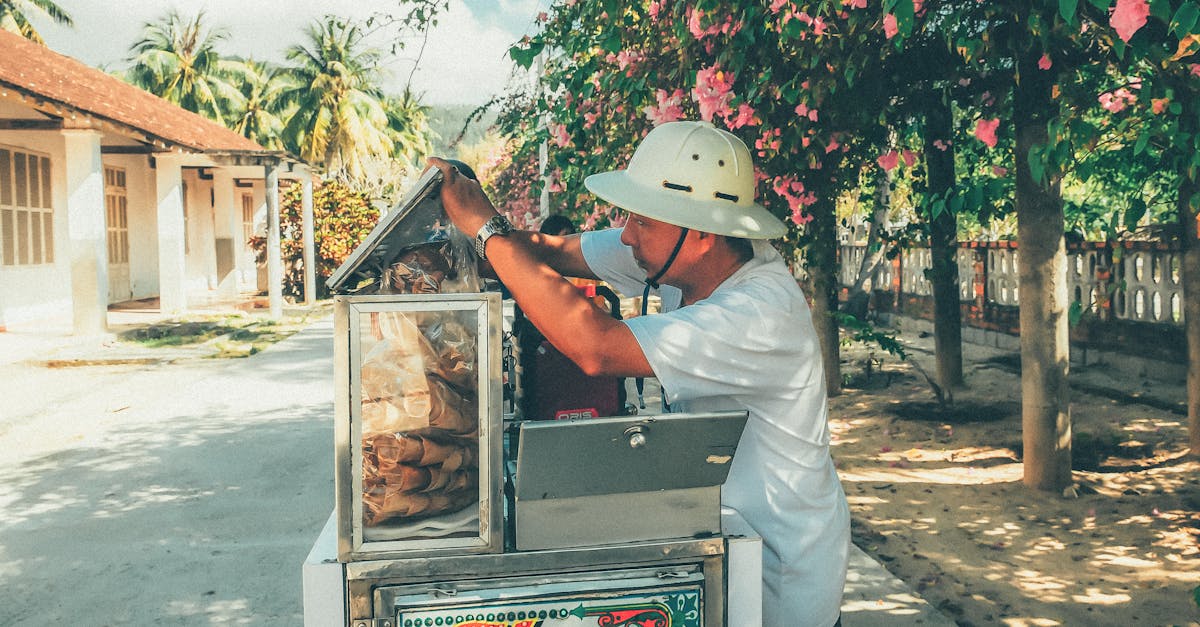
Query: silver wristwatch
{"x": 496, "y": 225}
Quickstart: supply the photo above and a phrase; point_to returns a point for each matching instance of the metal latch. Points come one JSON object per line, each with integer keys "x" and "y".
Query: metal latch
{"x": 637, "y": 436}
{"x": 441, "y": 593}
{"x": 673, "y": 574}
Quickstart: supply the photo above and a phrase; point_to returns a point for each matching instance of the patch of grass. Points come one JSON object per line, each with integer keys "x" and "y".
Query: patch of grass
{"x": 232, "y": 335}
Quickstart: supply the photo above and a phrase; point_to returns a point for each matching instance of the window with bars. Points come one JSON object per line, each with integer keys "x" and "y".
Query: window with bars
{"x": 26, "y": 210}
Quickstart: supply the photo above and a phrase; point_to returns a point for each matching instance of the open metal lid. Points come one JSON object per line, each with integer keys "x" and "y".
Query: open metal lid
{"x": 416, "y": 219}
{"x": 589, "y": 457}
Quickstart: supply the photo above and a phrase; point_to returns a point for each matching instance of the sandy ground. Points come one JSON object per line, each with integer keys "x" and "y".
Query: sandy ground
{"x": 939, "y": 499}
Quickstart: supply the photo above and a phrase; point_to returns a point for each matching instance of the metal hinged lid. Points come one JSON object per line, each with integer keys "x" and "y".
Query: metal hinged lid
{"x": 417, "y": 218}
{"x": 563, "y": 459}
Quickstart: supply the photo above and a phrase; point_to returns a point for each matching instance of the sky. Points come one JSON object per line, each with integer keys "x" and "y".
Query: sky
{"x": 464, "y": 62}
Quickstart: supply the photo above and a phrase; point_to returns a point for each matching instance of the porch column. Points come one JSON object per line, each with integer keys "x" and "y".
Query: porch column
{"x": 227, "y": 226}
{"x": 274, "y": 254}
{"x": 310, "y": 249}
{"x": 172, "y": 260}
{"x": 87, "y": 232}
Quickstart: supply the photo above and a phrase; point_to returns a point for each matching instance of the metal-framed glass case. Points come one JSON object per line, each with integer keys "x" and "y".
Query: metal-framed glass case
{"x": 418, "y": 425}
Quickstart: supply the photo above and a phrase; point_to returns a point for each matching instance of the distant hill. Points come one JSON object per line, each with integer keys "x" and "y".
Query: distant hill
{"x": 447, "y": 121}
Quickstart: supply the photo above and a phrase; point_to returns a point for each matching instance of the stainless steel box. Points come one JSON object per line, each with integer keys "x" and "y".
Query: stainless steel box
{"x": 608, "y": 481}
{"x": 418, "y": 425}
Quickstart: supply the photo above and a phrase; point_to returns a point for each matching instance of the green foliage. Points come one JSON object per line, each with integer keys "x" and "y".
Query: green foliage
{"x": 177, "y": 59}
{"x": 13, "y": 17}
{"x": 341, "y": 219}
{"x": 339, "y": 120}
{"x": 862, "y": 331}
{"x": 325, "y": 106}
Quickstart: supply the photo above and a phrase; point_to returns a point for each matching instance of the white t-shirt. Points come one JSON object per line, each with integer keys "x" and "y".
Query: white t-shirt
{"x": 751, "y": 346}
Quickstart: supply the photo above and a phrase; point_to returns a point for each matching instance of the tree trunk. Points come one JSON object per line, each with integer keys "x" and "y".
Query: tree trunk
{"x": 875, "y": 252}
{"x": 822, "y": 272}
{"x": 943, "y": 248}
{"x": 1189, "y": 240}
{"x": 1042, "y": 295}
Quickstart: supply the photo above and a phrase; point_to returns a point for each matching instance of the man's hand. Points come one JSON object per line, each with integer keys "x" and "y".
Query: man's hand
{"x": 463, "y": 199}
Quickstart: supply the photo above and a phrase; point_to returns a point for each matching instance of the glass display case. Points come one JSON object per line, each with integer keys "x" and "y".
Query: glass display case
{"x": 418, "y": 425}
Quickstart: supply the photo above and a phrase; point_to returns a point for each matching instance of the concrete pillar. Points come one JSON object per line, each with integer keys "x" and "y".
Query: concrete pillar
{"x": 310, "y": 249}
{"x": 172, "y": 255}
{"x": 274, "y": 254}
{"x": 87, "y": 231}
{"x": 227, "y": 233}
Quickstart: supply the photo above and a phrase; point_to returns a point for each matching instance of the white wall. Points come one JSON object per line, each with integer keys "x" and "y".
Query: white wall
{"x": 202, "y": 252}
{"x": 39, "y": 294}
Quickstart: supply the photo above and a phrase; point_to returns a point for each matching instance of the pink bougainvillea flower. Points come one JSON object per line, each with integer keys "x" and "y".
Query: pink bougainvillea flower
{"x": 802, "y": 110}
{"x": 669, "y": 108}
{"x": 695, "y": 20}
{"x": 888, "y": 160}
{"x": 1116, "y": 101}
{"x": 792, "y": 191}
{"x": 1128, "y": 17}
{"x": 744, "y": 117}
{"x": 941, "y": 144}
{"x": 776, "y": 5}
{"x": 832, "y": 145}
{"x": 713, "y": 92}
{"x": 626, "y": 58}
{"x": 890, "y": 28}
{"x": 1159, "y": 105}
{"x": 819, "y": 27}
{"x": 985, "y": 131}
{"x": 910, "y": 158}
{"x": 918, "y": 6}
{"x": 855, "y": 4}
{"x": 655, "y": 8}
{"x": 558, "y": 134}
{"x": 1195, "y": 68}
{"x": 1044, "y": 63}
{"x": 999, "y": 171}
{"x": 694, "y": 23}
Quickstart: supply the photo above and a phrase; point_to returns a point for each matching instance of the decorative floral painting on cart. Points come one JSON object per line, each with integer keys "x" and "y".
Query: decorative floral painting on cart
{"x": 679, "y": 608}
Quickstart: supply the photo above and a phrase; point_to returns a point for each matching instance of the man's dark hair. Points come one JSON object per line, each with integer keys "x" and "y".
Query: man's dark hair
{"x": 557, "y": 224}
{"x": 742, "y": 246}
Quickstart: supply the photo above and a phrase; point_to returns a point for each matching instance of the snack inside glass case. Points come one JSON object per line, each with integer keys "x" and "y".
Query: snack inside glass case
{"x": 420, "y": 423}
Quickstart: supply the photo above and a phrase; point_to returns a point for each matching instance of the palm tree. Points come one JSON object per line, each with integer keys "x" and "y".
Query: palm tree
{"x": 14, "y": 20}
{"x": 339, "y": 118}
{"x": 177, "y": 60}
{"x": 408, "y": 126}
{"x": 260, "y": 116}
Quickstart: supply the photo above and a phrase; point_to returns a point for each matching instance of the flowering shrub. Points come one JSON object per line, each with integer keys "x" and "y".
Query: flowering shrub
{"x": 341, "y": 219}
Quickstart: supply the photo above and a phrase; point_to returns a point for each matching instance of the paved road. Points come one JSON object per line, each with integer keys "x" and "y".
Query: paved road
{"x": 189, "y": 493}
{"x": 182, "y": 494}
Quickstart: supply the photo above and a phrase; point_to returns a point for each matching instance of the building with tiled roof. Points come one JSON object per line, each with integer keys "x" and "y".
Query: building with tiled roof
{"x": 109, "y": 193}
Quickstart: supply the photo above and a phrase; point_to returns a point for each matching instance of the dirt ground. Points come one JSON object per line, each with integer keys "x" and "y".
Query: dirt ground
{"x": 937, "y": 497}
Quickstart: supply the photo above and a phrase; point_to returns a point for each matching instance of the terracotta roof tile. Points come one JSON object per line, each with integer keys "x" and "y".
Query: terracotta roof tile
{"x": 36, "y": 70}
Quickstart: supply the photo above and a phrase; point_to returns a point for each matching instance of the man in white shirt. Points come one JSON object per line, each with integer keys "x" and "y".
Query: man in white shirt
{"x": 735, "y": 332}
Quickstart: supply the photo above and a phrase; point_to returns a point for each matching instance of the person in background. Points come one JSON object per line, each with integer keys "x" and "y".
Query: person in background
{"x": 735, "y": 333}
{"x": 557, "y": 224}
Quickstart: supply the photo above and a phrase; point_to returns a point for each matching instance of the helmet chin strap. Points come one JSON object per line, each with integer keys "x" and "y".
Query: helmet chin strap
{"x": 652, "y": 282}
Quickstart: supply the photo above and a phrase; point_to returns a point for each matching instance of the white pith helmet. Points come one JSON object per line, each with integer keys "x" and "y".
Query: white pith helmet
{"x": 694, "y": 175}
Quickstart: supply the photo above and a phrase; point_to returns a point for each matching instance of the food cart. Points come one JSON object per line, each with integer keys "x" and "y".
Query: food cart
{"x": 452, "y": 509}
